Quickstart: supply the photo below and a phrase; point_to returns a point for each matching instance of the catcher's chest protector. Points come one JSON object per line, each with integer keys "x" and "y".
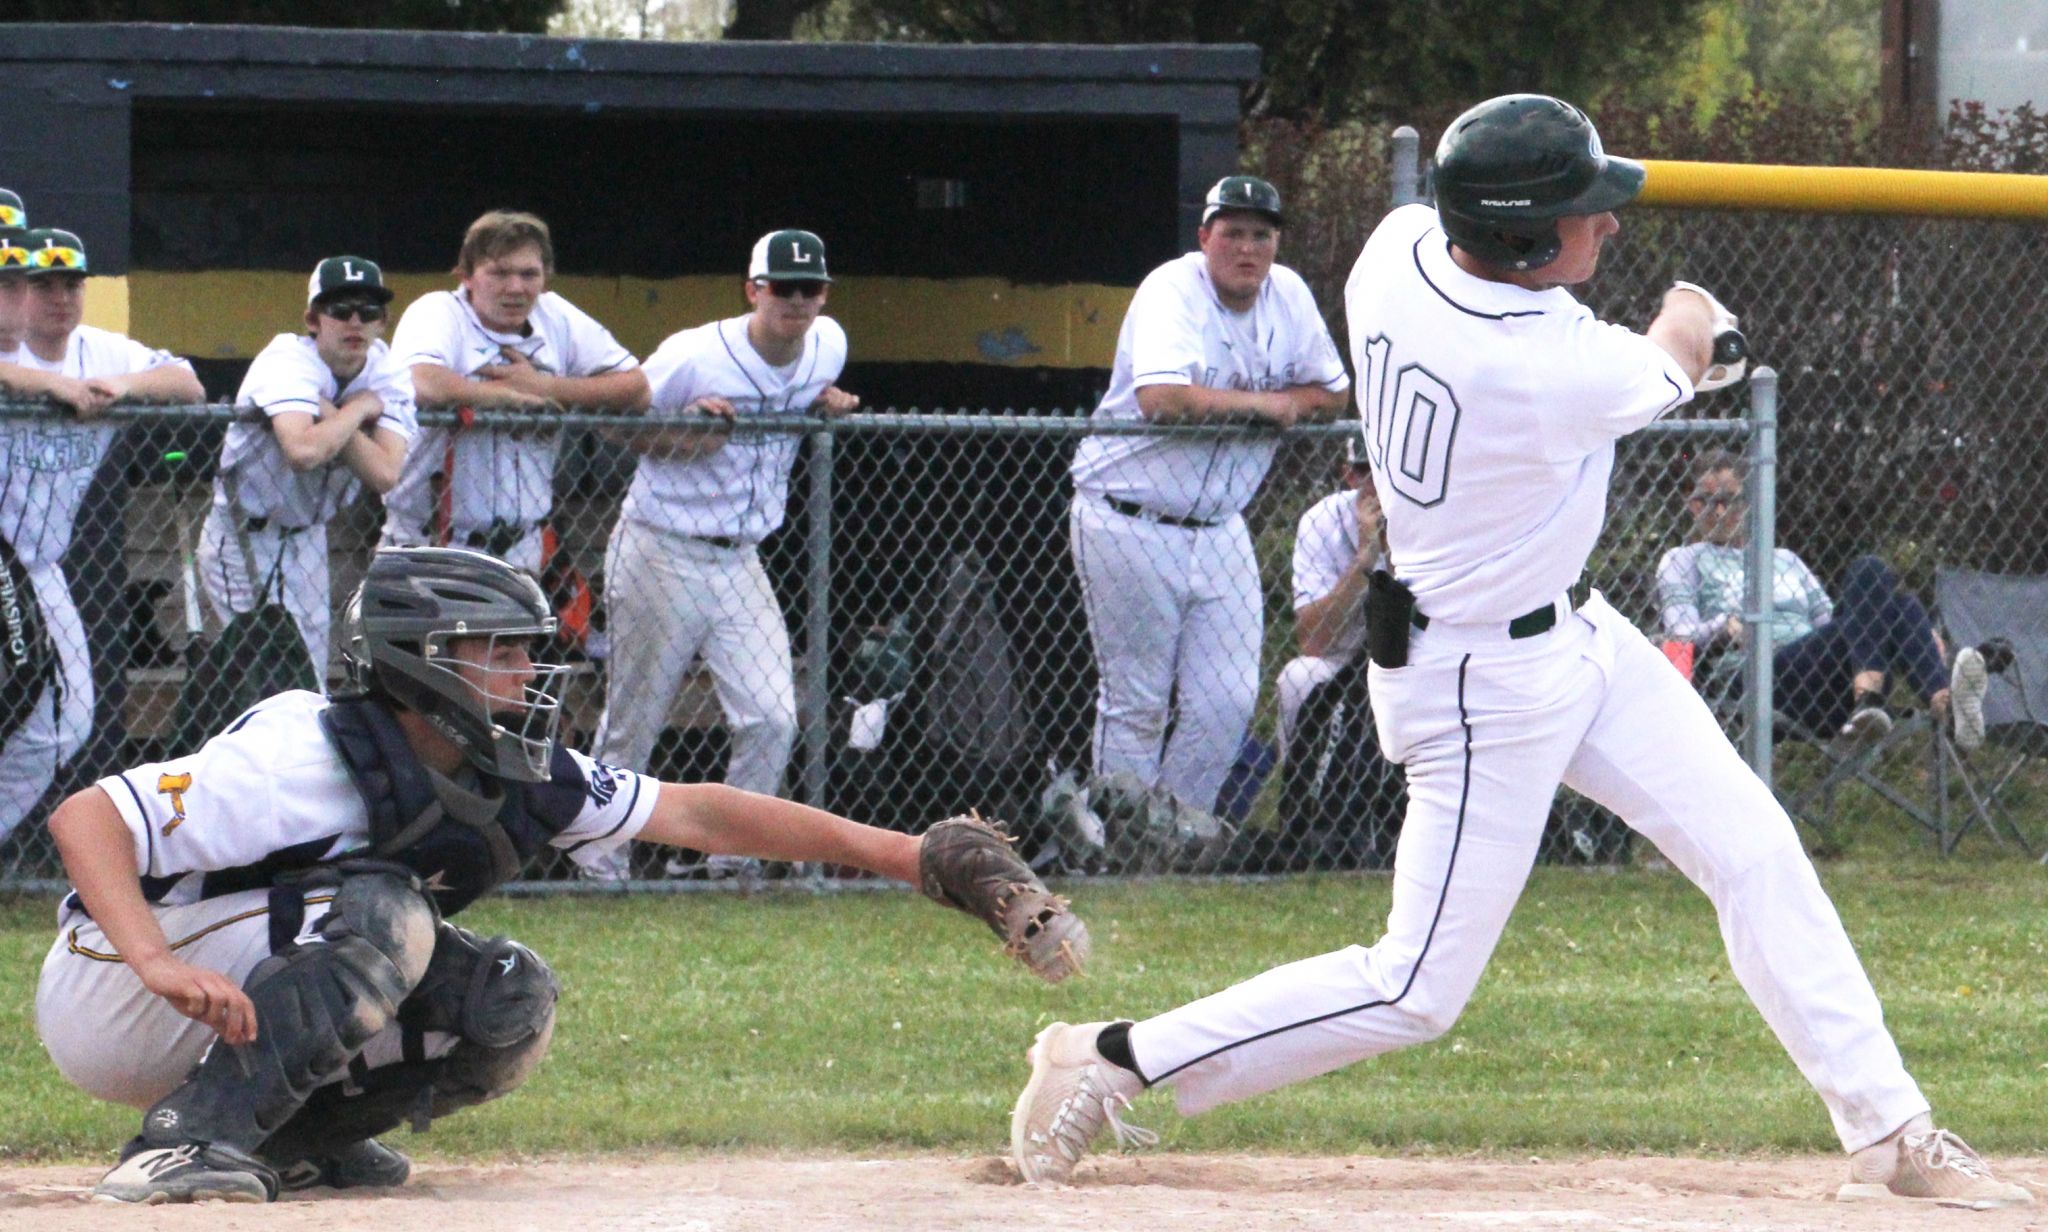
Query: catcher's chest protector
{"x": 462, "y": 843}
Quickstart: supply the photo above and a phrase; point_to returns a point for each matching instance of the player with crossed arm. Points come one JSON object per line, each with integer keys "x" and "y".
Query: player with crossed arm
{"x": 45, "y": 468}
{"x": 337, "y": 412}
{"x": 1336, "y": 546}
{"x": 1492, "y": 402}
{"x": 500, "y": 341}
{"x": 683, "y": 573}
{"x": 1171, "y": 587}
{"x": 257, "y": 949}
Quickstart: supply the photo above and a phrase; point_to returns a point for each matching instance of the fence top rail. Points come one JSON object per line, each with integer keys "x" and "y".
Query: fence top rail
{"x": 963, "y": 421}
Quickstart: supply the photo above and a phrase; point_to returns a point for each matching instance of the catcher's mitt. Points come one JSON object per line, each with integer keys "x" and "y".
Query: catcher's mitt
{"x": 967, "y": 864}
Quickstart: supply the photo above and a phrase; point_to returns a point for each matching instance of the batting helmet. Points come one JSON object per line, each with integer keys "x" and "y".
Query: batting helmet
{"x": 1509, "y": 168}
{"x": 395, "y": 636}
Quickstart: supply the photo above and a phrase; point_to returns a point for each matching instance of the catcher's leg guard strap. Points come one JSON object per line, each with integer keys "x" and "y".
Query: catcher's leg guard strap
{"x": 316, "y": 1006}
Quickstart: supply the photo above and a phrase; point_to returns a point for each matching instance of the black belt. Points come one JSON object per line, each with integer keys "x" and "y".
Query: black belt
{"x": 1131, "y": 509}
{"x": 500, "y": 537}
{"x": 263, "y": 524}
{"x": 720, "y": 541}
{"x": 1537, "y": 620}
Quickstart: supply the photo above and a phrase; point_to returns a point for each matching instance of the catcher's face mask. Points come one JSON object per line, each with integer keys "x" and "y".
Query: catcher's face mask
{"x": 520, "y": 700}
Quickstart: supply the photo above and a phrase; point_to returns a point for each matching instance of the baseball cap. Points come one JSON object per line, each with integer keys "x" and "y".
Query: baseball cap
{"x": 54, "y": 251}
{"x": 1243, "y": 192}
{"x": 13, "y": 250}
{"x": 347, "y": 275}
{"x": 12, "y": 212}
{"x": 788, "y": 255}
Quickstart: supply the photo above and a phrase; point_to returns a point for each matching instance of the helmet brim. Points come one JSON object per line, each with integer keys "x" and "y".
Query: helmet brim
{"x": 1619, "y": 182}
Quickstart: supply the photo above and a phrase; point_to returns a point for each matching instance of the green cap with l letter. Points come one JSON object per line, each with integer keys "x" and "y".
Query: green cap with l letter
{"x": 338, "y": 276}
{"x": 788, "y": 255}
{"x": 1243, "y": 192}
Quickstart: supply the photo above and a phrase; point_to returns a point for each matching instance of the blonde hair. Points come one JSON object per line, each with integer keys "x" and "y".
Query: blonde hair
{"x": 500, "y": 232}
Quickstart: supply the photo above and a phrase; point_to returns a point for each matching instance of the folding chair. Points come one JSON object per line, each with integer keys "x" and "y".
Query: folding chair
{"x": 1976, "y": 608}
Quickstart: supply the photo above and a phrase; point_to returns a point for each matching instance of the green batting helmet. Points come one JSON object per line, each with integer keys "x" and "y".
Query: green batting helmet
{"x": 1508, "y": 169}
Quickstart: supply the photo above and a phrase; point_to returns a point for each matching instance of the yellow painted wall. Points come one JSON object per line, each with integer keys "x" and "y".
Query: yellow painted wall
{"x": 231, "y": 314}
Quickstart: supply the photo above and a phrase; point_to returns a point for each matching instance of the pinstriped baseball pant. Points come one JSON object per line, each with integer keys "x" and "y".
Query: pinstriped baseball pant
{"x": 1487, "y": 729}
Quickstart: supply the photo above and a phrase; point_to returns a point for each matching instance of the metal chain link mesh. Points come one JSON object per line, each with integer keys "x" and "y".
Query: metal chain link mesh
{"x": 941, "y": 656}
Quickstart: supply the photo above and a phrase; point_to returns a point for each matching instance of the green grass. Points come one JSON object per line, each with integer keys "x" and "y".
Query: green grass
{"x": 1608, "y": 1022}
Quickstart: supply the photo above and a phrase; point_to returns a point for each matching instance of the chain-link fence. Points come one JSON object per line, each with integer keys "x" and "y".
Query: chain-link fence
{"x": 932, "y": 584}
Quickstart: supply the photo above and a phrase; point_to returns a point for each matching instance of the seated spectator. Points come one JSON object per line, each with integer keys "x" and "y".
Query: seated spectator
{"x": 337, "y": 412}
{"x": 49, "y": 464}
{"x": 1830, "y": 662}
{"x": 1336, "y": 545}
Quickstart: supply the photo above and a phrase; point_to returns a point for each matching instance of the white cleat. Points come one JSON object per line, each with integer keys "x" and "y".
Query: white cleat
{"x": 1072, "y": 1094}
{"x": 1932, "y": 1166}
{"x": 1967, "y": 682}
{"x": 190, "y": 1173}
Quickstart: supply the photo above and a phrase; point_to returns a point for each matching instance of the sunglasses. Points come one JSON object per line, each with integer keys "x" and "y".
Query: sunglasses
{"x": 13, "y": 257}
{"x": 1716, "y": 500}
{"x": 342, "y": 310}
{"x": 57, "y": 258}
{"x": 808, "y": 288}
{"x": 12, "y": 217}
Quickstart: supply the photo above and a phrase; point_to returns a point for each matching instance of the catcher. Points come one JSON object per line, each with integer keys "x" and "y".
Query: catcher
{"x": 257, "y": 951}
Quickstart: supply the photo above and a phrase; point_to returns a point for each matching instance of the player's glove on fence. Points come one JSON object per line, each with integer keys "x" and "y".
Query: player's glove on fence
{"x": 967, "y": 864}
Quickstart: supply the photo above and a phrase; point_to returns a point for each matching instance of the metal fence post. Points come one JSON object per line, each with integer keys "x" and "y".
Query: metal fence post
{"x": 1407, "y": 166}
{"x": 1761, "y": 567}
{"x": 813, "y": 710}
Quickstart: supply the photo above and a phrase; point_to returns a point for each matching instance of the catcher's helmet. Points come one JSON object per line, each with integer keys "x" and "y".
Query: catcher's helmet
{"x": 394, "y": 644}
{"x": 1509, "y": 168}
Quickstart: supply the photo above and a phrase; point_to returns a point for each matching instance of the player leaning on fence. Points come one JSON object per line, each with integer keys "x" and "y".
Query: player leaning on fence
{"x": 1219, "y": 336}
{"x": 45, "y": 469}
{"x": 500, "y": 342}
{"x": 683, "y": 575}
{"x": 1492, "y": 402}
{"x": 256, "y": 949}
{"x": 337, "y": 414}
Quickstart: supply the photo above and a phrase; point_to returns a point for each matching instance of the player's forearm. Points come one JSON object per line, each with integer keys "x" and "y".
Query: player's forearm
{"x": 375, "y": 457}
{"x": 313, "y": 442}
{"x": 99, "y": 857}
{"x": 164, "y": 383}
{"x": 1197, "y": 404}
{"x": 1319, "y": 625}
{"x": 669, "y": 441}
{"x": 717, "y": 819}
{"x": 1684, "y": 328}
{"x": 618, "y": 391}
{"x": 28, "y": 382}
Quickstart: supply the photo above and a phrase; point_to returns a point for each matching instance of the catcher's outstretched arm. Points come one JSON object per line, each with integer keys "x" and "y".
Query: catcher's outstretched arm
{"x": 721, "y": 820}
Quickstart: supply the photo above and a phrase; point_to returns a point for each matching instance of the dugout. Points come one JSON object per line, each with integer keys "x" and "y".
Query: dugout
{"x": 988, "y": 211}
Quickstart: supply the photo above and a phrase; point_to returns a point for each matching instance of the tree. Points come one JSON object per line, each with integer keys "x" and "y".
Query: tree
{"x": 1328, "y": 59}
{"x": 510, "y": 16}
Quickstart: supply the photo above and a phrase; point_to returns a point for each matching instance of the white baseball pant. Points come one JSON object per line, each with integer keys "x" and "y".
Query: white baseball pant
{"x": 669, "y": 599}
{"x": 296, "y": 559}
{"x": 1290, "y": 692}
{"x": 1175, "y": 616}
{"x": 1488, "y": 728}
{"x": 61, "y": 720}
{"x": 115, "y": 1040}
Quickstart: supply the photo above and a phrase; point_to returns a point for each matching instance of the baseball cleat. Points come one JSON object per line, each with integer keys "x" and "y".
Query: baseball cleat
{"x": 368, "y": 1164}
{"x": 1867, "y": 725}
{"x": 1932, "y": 1166}
{"x": 193, "y": 1172}
{"x": 1072, "y": 1094}
{"x": 1967, "y": 682}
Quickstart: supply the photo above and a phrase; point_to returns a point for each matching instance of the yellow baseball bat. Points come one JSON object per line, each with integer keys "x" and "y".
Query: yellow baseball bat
{"x": 1843, "y": 190}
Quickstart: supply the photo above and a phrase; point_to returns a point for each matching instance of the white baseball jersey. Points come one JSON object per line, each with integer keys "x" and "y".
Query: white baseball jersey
{"x": 288, "y": 376}
{"x": 273, "y": 789}
{"x": 1486, "y": 525}
{"x": 741, "y": 490}
{"x": 49, "y": 464}
{"x": 1325, "y": 545}
{"x": 497, "y": 477}
{"x": 1177, "y": 332}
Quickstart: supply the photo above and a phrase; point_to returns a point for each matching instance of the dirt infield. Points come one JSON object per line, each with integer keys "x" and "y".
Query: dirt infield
{"x": 1181, "y": 1193}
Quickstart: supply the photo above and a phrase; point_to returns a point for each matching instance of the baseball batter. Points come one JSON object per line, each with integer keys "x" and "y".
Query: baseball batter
{"x": 257, "y": 951}
{"x": 338, "y": 413}
{"x": 500, "y": 341}
{"x": 45, "y": 468}
{"x": 1219, "y": 336}
{"x": 683, "y": 575}
{"x": 1492, "y": 401}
